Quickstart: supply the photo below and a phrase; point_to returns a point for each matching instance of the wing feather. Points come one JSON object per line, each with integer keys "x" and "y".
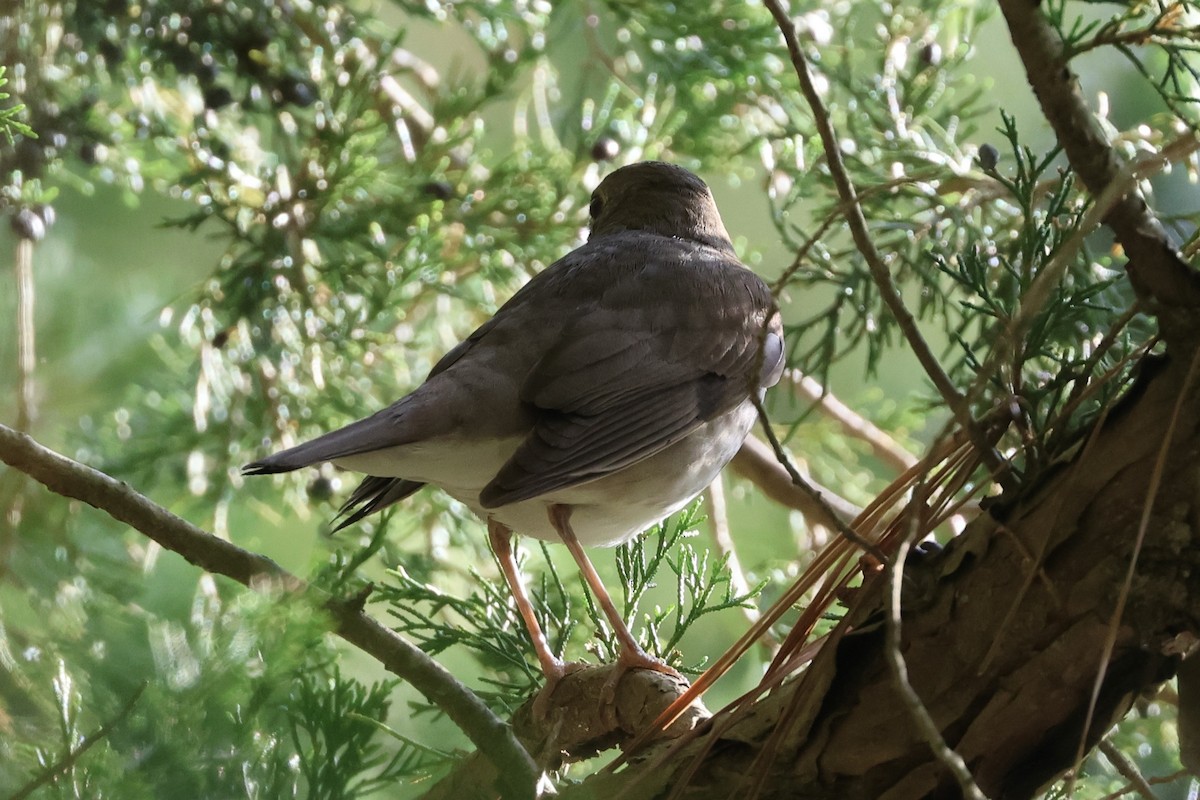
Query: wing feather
{"x": 628, "y": 378}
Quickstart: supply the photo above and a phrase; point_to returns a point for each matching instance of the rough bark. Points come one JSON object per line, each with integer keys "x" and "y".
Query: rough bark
{"x": 1003, "y": 635}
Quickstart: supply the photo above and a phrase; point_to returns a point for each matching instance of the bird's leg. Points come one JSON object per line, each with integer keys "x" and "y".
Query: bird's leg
{"x": 632, "y": 656}
{"x": 500, "y": 537}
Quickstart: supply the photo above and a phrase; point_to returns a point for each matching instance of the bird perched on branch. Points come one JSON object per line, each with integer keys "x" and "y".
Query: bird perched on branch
{"x": 605, "y": 395}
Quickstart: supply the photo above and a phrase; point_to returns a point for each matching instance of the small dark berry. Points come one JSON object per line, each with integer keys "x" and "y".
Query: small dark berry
{"x": 605, "y": 148}
{"x": 206, "y": 70}
{"x": 28, "y": 225}
{"x": 440, "y": 190}
{"x": 113, "y": 54}
{"x": 320, "y": 489}
{"x": 217, "y": 97}
{"x": 297, "y": 91}
{"x": 93, "y": 152}
{"x": 931, "y": 54}
{"x": 989, "y": 157}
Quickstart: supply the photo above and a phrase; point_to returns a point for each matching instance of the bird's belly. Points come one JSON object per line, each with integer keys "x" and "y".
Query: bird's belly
{"x": 613, "y": 509}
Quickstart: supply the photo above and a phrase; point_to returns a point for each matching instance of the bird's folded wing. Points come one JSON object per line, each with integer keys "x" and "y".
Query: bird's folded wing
{"x": 570, "y": 449}
{"x": 629, "y": 378}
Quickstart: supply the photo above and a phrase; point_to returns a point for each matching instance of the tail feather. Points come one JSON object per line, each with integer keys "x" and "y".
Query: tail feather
{"x": 373, "y": 433}
{"x": 372, "y": 495}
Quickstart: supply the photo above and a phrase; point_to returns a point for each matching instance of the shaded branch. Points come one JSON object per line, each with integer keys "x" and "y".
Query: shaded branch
{"x": 883, "y": 446}
{"x": 758, "y": 463}
{"x": 71, "y": 479}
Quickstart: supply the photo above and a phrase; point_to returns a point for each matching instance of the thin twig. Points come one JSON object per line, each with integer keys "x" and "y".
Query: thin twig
{"x": 1128, "y": 770}
{"x": 985, "y": 190}
{"x": 26, "y": 351}
{"x": 87, "y": 743}
{"x": 71, "y": 479}
{"x": 880, "y": 273}
{"x": 758, "y": 463}
{"x": 815, "y": 494}
{"x": 1089, "y": 367}
{"x": 916, "y": 707}
{"x": 1161, "y": 779}
{"x": 718, "y": 518}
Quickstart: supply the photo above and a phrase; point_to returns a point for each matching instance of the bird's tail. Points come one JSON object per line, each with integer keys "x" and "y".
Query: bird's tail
{"x": 372, "y": 495}
{"x": 373, "y": 433}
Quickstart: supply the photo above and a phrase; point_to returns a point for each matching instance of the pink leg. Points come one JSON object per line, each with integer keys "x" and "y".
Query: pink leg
{"x": 501, "y": 540}
{"x": 632, "y": 656}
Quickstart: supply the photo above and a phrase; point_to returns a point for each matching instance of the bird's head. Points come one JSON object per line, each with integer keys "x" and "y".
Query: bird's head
{"x": 661, "y": 198}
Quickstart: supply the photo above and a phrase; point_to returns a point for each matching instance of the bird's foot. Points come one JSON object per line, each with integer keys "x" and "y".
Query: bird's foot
{"x": 635, "y": 658}
{"x": 580, "y": 725}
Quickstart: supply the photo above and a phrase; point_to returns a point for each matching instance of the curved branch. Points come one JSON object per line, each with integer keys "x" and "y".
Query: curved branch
{"x": 69, "y": 478}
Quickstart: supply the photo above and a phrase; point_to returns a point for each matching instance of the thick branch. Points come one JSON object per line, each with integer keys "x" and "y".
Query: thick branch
{"x": 1160, "y": 276}
{"x": 71, "y": 479}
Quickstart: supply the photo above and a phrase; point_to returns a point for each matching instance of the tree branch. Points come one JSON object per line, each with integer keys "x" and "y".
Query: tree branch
{"x": 955, "y": 400}
{"x": 757, "y": 462}
{"x": 69, "y": 478}
{"x": 883, "y": 446}
{"x": 26, "y": 351}
{"x": 1157, "y": 271}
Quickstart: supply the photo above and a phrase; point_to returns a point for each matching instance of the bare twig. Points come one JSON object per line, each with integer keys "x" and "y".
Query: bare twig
{"x": 723, "y": 542}
{"x": 67, "y": 761}
{"x": 71, "y": 479}
{"x": 916, "y": 707}
{"x": 757, "y": 462}
{"x": 1128, "y": 770}
{"x": 853, "y": 424}
{"x": 26, "y": 352}
{"x": 814, "y": 493}
{"x": 1127, "y": 788}
{"x": 1164, "y": 30}
{"x": 981, "y": 191}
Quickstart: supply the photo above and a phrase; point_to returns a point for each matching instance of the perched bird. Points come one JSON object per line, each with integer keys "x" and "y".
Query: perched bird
{"x": 605, "y": 395}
